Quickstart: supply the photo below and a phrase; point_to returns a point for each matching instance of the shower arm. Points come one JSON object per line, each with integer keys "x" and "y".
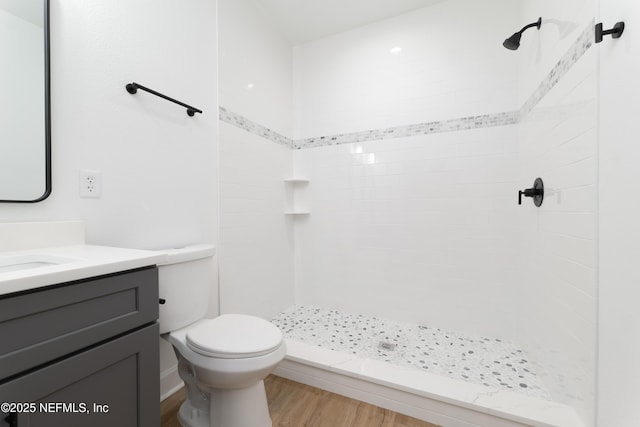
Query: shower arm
{"x": 526, "y": 27}
{"x": 615, "y": 32}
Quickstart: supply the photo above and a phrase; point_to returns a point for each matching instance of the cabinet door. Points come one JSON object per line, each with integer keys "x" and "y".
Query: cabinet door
{"x": 113, "y": 384}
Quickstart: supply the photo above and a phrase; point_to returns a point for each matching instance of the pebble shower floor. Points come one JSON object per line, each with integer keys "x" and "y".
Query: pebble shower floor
{"x": 488, "y": 361}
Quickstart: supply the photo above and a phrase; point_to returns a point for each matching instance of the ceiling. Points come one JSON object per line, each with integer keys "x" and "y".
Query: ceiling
{"x": 303, "y": 20}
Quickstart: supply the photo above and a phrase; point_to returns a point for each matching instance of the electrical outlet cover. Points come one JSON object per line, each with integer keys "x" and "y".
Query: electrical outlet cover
{"x": 90, "y": 183}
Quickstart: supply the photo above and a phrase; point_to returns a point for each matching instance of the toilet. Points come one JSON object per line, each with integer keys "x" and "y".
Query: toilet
{"x": 222, "y": 361}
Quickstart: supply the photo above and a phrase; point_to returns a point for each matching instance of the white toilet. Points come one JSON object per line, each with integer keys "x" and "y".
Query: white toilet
{"x": 222, "y": 361}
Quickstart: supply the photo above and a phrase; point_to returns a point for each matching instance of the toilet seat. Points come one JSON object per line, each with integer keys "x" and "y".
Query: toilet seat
{"x": 234, "y": 336}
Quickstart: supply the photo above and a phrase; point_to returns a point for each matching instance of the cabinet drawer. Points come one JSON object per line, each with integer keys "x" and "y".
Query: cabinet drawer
{"x": 43, "y": 325}
{"x": 120, "y": 375}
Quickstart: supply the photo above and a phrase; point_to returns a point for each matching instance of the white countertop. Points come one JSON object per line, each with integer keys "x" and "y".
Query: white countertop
{"x": 79, "y": 262}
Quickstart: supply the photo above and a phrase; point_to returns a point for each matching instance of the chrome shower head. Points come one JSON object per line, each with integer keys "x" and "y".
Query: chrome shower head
{"x": 513, "y": 42}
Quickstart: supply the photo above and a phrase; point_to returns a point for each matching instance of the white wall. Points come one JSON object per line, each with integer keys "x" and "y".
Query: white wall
{"x": 256, "y": 239}
{"x": 252, "y": 51}
{"x": 619, "y": 233}
{"x": 159, "y": 166}
{"x": 452, "y": 65}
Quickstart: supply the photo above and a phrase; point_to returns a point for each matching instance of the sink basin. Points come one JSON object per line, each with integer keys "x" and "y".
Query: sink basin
{"x": 27, "y": 262}
{"x": 28, "y": 269}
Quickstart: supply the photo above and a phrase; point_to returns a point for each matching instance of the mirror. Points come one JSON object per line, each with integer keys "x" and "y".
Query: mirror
{"x": 25, "y": 137}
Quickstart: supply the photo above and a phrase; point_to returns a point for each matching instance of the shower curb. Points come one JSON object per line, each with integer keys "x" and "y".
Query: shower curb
{"x": 440, "y": 400}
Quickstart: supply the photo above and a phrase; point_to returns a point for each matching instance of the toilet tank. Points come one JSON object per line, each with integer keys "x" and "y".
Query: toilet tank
{"x": 186, "y": 278}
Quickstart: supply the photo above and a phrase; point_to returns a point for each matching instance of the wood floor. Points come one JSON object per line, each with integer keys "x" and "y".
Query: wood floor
{"x": 293, "y": 404}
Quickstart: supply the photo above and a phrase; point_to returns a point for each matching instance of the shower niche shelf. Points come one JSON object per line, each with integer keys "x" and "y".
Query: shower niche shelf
{"x": 296, "y": 196}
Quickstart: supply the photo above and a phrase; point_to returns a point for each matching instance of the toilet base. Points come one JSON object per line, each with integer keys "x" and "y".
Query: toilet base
{"x": 244, "y": 407}
{"x": 188, "y": 416}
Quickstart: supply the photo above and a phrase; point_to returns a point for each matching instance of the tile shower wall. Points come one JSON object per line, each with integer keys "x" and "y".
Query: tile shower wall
{"x": 426, "y": 228}
{"x": 539, "y": 52}
{"x": 255, "y": 66}
{"x": 557, "y": 304}
{"x": 557, "y": 141}
{"x": 452, "y": 65}
{"x": 417, "y": 229}
{"x": 256, "y": 239}
{"x": 420, "y": 228}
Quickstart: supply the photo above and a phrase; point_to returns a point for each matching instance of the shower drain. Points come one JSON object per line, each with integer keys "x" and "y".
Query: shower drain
{"x": 384, "y": 345}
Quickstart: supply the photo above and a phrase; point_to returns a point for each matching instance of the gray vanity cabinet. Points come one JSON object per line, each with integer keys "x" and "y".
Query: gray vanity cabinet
{"x": 83, "y": 353}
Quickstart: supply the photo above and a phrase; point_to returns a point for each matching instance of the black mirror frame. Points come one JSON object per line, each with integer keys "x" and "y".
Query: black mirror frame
{"x": 47, "y": 110}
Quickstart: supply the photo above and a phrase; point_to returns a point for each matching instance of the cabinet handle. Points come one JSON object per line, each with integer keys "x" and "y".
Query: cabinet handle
{"x": 12, "y": 419}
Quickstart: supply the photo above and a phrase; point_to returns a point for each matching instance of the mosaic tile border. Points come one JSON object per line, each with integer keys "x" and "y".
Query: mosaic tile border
{"x": 250, "y": 126}
{"x": 568, "y": 60}
{"x": 451, "y": 125}
{"x": 575, "y": 52}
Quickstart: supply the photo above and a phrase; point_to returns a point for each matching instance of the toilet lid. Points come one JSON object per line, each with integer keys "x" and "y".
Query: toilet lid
{"x": 234, "y": 336}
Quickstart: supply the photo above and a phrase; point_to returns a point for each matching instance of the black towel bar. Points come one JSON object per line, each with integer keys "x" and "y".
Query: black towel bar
{"x": 133, "y": 88}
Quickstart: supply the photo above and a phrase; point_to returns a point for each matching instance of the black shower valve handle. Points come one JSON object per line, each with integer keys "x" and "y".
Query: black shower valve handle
{"x": 529, "y": 192}
{"x": 536, "y": 192}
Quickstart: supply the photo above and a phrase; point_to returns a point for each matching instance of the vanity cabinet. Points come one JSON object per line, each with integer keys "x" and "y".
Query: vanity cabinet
{"x": 82, "y": 353}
